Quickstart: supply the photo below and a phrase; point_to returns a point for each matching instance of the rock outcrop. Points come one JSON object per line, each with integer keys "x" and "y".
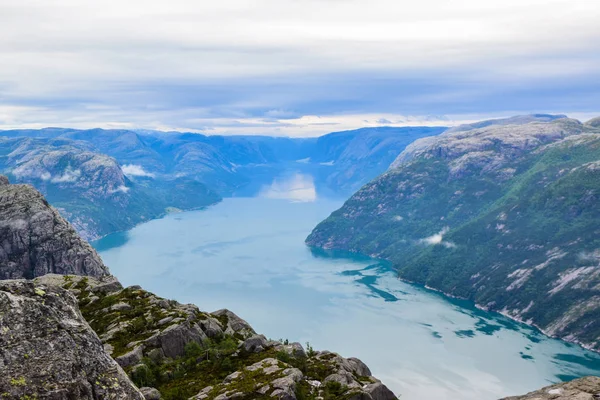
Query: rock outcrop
{"x": 48, "y": 351}
{"x": 587, "y": 388}
{"x": 35, "y": 240}
{"x": 177, "y": 348}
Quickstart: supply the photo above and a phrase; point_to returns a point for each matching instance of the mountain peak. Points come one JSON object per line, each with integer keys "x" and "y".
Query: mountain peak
{"x": 594, "y": 122}
{"x": 36, "y": 240}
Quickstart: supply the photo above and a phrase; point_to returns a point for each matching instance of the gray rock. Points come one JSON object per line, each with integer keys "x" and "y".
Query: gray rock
{"x": 379, "y": 391}
{"x": 35, "y": 240}
{"x": 203, "y": 394}
{"x": 235, "y": 324}
{"x": 345, "y": 378}
{"x": 580, "y": 389}
{"x": 108, "y": 284}
{"x": 150, "y": 393}
{"x": 49, "y": 351}
{"x": 131, "y": 358}
{"x": 120, "y": 307}
{"x": 294, "y": 349}
{"x": 256, "y": 344}
{"x": 172, "y": 340}
{"x": 359, "y": 367}
{"x": 211, "y": 327}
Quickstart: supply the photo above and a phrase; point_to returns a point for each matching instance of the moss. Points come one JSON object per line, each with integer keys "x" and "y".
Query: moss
{"x": 18, "y": 381}
{"x": 39, "y": 292}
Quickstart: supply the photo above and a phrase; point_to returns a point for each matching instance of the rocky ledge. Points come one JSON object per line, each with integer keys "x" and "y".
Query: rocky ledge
{"x": 176, "y": 351}
{"x": 48, "y": 351}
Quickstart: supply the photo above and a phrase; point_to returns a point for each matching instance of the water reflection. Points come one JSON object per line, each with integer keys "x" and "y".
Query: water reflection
{"x": 297, "y": 187}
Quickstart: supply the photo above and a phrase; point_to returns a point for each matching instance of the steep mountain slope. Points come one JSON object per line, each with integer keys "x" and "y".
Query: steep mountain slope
{"x": 504, "y": 215}
{"x": 350, "y": 159}
{"x": 35, "y": 240}
{"x": 90, "y": 189}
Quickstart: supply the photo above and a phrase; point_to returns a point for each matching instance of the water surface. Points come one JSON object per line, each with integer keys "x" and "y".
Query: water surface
{"x": 248, "y": 255}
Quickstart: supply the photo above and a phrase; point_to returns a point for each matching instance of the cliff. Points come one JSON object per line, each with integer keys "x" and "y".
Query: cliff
{"x": 35, "y": 240}
{"x": 505, "y": 215}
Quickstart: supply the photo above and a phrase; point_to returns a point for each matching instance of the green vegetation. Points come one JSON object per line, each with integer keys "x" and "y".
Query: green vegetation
{"x": 524, "y": 239}
{"x": 125, "y": 317}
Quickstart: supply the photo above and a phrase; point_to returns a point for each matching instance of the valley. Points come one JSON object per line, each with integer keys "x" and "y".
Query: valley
{"x": 106, "y": 181}
{"x": 247, "y": 254}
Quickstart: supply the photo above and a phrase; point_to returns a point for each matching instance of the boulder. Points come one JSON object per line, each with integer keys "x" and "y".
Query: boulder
{"x": 173, "y": 340}
{"x": 131, "y": 358}
{"x": 255, "y": 344}
{"x": 235, "y": 324}
{"x": 150, "y": 393}
{"x": 50, "y": 352}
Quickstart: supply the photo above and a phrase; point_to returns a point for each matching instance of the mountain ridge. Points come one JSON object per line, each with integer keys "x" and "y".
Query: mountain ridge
{"x": 504, "y": 216}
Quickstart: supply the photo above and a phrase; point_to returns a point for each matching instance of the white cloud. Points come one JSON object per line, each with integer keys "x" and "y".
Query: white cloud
{"x": 68, "y": 176}
{"x": 136, "y": 170}
{"x": 136, "y": 64}
{"x": 438, "y": 239}
{"x": 122, "y": 188}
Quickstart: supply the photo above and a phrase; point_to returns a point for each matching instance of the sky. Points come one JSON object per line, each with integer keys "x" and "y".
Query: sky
{"x": 294, "y": 67}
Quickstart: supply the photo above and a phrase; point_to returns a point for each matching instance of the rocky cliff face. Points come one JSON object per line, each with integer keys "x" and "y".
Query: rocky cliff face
{"x": 505, "y": 215}
{"x": 35, "y": 240}
{"x": 48, "y": 351}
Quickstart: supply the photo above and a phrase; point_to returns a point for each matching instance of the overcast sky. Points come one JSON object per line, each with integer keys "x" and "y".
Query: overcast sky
{"x": 293, "y": 67}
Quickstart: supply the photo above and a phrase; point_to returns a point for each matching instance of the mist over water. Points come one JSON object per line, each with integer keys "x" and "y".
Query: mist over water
{"x": 248, "y": 254}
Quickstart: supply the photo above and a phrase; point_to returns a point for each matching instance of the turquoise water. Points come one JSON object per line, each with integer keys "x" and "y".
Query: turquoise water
{"x": 248, "y": 255}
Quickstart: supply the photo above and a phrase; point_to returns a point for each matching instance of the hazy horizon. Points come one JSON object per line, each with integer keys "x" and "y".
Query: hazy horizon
{"x": 293, "y": 68}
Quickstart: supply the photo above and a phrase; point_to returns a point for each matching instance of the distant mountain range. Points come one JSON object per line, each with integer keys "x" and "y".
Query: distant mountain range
{"x": 104, "y": 181}
{"x": 505, "y": 213}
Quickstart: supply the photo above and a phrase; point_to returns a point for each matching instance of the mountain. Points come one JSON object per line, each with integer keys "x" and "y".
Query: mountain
{"x": 91, "y": 189}
{"x": 36, "y": 240}
{"x": 104, "y": 181}
{"x": 342, "y": 161}
{"x": 66, "y": 336}
{"x": 503, "y": 214}
{"x": 349, "y": 159}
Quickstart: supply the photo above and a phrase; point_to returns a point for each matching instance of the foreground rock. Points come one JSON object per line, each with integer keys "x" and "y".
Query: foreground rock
{"x": 321, "y": 375}
{"x": 35, "y": 240}
{"x": 48, "y": 351}
{"x": 184, "y": 352}
{"x": 580, "y": 389}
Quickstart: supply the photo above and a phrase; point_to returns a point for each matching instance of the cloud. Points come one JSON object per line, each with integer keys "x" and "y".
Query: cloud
{"x": 120, "y": 189}
{"x": 69, "y": 176}
{"x": 438, "y": 239}
{"x": 136, "y": 170}
{"x": 160, "y": 65}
